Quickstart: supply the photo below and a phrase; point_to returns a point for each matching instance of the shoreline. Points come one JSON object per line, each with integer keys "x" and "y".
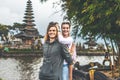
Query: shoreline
{"x": 39, "y": 54}
{"x": 21, "y": 54}
{"x": 93, "y": 54}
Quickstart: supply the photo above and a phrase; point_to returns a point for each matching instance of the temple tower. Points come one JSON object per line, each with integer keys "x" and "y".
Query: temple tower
{"x": 28, "y": 32}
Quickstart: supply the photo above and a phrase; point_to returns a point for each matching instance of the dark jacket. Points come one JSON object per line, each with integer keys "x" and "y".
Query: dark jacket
{"x": 53, "y": 55}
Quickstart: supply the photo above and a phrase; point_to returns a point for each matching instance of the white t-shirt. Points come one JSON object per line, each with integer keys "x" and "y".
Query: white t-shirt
{"x": 68, "y": 42}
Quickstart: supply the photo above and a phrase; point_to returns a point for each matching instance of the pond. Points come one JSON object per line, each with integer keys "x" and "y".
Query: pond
{"x": 27, "y": 68}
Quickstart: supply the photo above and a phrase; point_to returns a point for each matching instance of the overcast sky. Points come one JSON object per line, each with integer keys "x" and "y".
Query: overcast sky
{"x": 13, "y": 11}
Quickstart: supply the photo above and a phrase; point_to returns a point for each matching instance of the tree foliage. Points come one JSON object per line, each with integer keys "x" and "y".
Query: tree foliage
{"x": 4, "y": 29}
{"x": 99, "y": 17}
{"x": 17, "y": 25}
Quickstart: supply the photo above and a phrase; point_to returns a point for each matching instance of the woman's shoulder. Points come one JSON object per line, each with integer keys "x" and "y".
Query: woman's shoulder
{"x": 60, "y": 44}
{"x": 69, "y": 37}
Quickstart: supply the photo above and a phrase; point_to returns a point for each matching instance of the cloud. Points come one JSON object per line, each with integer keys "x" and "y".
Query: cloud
{"x": 7, "y": 17}
{"x": 11, "y": 11}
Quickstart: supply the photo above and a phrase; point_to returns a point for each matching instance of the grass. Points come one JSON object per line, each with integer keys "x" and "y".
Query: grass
{"x": 25, "y": 51}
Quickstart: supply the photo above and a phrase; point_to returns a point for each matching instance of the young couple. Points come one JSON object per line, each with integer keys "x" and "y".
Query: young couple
{"x": 58, "y": 53}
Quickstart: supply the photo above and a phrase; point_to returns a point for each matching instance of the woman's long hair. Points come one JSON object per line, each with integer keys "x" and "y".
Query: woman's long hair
{"x": 51, "y": 24}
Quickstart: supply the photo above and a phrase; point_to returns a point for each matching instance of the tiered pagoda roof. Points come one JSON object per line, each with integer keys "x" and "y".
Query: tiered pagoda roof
{"x": 28, "y": 18}
{"x": 28, "y": 32}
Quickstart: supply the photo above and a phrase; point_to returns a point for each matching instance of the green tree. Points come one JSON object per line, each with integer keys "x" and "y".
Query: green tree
{"x": 99, "y": 17}
{"x": 95, "y": 16}
{"x": 17, "y": 26}
{"x": 4, "y": 29}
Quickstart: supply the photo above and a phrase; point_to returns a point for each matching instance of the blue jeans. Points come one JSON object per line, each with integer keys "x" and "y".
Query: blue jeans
{"x": 65, "y": 72}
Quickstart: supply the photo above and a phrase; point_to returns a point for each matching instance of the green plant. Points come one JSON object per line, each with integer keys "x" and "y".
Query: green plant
{"x": 1, "y": 79}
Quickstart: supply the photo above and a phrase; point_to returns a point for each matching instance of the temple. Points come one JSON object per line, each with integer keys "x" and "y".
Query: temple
{"x": 91, "y": 42}
{"x": 28, "y": 32}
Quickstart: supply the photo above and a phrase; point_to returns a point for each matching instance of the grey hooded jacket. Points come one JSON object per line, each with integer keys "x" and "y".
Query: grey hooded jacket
{"x": 53, "y": 55}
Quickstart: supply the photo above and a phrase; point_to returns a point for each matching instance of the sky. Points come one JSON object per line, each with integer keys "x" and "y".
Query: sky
{"x": 13, "y": 11}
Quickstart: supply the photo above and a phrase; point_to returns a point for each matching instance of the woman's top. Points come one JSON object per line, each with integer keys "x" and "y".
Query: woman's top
{"x": 53, "y": 56}
{"x": 68, "y": 42}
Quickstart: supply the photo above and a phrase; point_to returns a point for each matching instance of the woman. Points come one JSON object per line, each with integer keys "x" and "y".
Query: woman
{"x": 66, "y": 39}
{"x": 54, "y": 53}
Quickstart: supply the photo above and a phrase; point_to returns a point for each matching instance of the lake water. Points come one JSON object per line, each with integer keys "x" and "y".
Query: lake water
{"x": 27, "y": 68}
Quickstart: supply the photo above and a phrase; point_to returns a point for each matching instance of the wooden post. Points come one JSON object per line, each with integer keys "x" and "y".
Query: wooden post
{"x": 91, "y": 74}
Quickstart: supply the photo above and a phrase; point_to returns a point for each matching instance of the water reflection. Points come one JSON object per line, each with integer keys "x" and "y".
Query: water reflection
{"x": 27, "y": 68}
{"x": 85, "y": 59}
{"x": 19, "y": 68}
{"x": 9, "y": 69}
